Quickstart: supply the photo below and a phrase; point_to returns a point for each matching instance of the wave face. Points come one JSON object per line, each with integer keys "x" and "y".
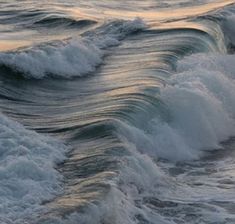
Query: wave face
{"x": 117, "y": 112}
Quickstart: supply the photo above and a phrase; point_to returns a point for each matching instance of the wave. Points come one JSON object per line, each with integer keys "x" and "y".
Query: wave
{"x": 30, "y": 18}
{"x": 200, "y": 103}
{"x": 64, "y": 59}
{"x": 27, "y": 171}
{"x": 122, "y": 174}
{"x": 225, "y": 19}
{"x": 56, "y": 21}
{"x": 71, "y": 58}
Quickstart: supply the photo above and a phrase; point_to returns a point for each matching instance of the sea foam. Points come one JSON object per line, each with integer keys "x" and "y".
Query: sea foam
{"x": 27, "y": 171}
{"x": 199, "y": 101}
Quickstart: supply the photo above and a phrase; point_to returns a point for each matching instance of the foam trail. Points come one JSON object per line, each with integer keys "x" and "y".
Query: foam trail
{"x": 27, "y": 171}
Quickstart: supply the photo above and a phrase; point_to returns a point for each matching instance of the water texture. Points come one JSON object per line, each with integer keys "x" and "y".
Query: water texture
{"x": 117, "y": 112}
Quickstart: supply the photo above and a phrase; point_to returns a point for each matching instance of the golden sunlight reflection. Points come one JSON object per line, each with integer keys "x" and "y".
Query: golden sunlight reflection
{"x": 149, "y": 16}
{"x": 8, "y": 45}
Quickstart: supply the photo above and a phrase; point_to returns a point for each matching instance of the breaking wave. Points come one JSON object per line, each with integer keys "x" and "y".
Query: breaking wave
{"x": 71, "y": 58}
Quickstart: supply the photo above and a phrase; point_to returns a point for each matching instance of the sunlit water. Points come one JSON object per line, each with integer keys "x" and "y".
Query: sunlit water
{"x": 117, "y": 112}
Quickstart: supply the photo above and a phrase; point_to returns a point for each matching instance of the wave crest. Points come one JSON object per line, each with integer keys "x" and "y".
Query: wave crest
{"x": 71, "y": 58}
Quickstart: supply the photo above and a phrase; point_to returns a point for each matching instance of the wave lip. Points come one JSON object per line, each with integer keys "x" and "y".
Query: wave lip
{"x": 75, "y": 57}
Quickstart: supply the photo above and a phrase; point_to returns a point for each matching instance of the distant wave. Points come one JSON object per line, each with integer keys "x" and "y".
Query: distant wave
{"x": 56, "y": 21}
{"x": 66, "y": 59}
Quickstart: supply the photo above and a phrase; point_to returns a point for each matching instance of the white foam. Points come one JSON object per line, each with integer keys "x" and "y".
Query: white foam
{"x": 66, "y": 59}
{"x": 74, "y": 58}
{"x": 27, "y": 171}
{"x": 200, "y": 101}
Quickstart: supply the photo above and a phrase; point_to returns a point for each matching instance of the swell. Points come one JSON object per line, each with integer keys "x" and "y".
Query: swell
{"x": 56, "y": 21}
{"x": 38, "y": 19}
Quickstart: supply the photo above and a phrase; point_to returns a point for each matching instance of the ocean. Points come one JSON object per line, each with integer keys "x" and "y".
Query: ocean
{"x": 117, "y": 112}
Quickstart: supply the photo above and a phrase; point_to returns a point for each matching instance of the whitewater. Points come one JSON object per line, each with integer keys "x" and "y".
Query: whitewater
{"x": 117, "y": 112}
